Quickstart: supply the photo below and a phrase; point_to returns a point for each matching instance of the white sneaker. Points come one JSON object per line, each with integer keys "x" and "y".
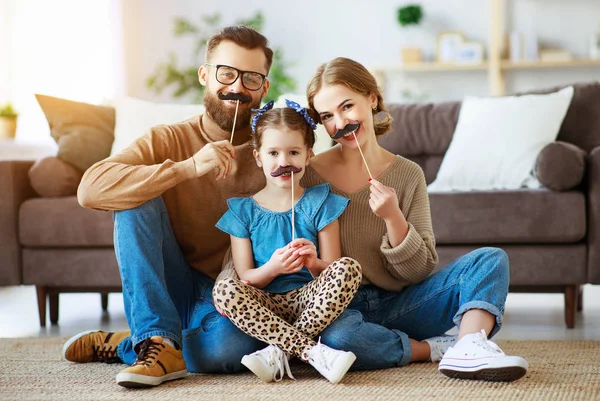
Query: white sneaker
{"x": 329, "y": 362}
{"x": 477, "y": 358}
{"x": 269, "y": 364}
{"x": 439, "y": 345}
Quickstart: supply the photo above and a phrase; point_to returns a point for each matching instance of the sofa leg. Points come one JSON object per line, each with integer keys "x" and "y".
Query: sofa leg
{"x": 580, "y": 299}
{"x": 42, "y": 293}
{"x": 53, "y": 307}
{"x": 104, "y": 297}
{"x": 571, "y": 295}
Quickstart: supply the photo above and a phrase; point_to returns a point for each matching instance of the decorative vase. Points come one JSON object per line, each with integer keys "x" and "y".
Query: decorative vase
{"x": 8, "y": 127}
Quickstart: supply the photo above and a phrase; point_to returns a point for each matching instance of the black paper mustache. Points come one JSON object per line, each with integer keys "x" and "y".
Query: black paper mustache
{"x": 286, "y": 169}
{"x": 235, "y": 96}
{"x": 348, "y": 128}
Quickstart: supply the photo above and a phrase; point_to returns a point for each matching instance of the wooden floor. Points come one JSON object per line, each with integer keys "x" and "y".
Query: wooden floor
{"x": 528, "y": 316}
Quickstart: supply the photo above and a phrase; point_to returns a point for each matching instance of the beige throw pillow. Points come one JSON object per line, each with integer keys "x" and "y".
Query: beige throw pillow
{"x": 84, "y": 132}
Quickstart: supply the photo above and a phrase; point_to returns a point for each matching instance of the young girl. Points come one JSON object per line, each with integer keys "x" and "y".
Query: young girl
{"x": 276, "y": 298}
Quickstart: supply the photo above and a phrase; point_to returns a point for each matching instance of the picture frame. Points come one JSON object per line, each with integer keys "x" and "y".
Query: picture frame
{"x": 469, "y": 53}
{"x": 448, "y": 43}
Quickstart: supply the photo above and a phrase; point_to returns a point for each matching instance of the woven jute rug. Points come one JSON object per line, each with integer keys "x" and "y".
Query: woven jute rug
{"x": 32, "y": 369}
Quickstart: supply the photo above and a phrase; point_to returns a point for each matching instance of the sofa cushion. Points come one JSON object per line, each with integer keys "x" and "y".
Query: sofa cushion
{"x": 52, "y": 177}
{"x": 84, "y": 132}
{"x": 560, "y": 166}
{"x": 497, "y": 140}
{"x": 581, "y": 125}
{"x": 421, "y": 129}
{"x": 508, "y": 217}
{"x": 62, "y": 222}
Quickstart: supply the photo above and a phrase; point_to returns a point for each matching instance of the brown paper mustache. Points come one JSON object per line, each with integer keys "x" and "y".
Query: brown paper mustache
{"x": 235, "y": 96}
{"x": 287, "y": 169}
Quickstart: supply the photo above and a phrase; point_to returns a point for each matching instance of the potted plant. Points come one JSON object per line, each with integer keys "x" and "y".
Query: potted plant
{"x": 8, "y": 121}
{"x": 410, "y": 15}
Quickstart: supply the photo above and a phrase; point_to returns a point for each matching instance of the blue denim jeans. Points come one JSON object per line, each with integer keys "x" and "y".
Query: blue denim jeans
{"x": 378, "y": 324}
{"x": 164, "y": 296}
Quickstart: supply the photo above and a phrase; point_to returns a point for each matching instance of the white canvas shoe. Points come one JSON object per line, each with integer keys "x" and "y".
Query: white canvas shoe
{"x": 477, "y": 358}
{"x": 269, "y": 364}
{"x": 439, "y": 345}
{"x": 329, "y": 362}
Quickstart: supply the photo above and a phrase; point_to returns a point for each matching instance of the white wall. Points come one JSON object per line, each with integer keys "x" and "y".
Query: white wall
{"x": 314, "y": 31}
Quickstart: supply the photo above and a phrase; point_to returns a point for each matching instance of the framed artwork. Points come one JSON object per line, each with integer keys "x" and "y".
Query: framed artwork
{"x": 448, "y": 44}
{"x": 469, "y": 53}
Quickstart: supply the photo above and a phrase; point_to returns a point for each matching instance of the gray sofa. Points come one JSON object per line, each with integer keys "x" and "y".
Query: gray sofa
{"x": 552, "y": 238}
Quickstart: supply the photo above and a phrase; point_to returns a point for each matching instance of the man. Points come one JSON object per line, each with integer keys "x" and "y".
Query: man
{"x": 168, "y": 189}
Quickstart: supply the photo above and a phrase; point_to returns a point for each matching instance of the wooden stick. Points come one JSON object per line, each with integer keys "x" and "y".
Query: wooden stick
{"x": 361, "y": 153}
{"x": 237, "y": 103}
{"x": 293, "y": 199}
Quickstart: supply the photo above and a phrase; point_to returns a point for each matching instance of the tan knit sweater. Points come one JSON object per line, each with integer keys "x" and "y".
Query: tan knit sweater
{"x": 160, "y": 163}
{"x": 364, "y": 237}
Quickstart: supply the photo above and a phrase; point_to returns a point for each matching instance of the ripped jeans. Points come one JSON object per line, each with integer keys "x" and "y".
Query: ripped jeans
{"x": 165, "y": 296}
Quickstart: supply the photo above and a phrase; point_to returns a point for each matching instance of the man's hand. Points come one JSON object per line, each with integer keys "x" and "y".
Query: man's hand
{"x": 285, "y": 261}
{"x": 217, "y": 156}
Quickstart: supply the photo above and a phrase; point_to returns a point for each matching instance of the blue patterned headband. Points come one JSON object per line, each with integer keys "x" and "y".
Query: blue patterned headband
{"x": 302, "y": 111}
{"x": 259, "y": 113}
{"x": 289, "y": 103}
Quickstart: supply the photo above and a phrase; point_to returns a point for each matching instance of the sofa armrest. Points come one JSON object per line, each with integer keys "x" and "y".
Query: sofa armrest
{"x": 593, "y": 216}
{"x": 14, "y": 190}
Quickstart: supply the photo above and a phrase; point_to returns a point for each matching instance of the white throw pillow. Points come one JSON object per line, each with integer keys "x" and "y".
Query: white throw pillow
{"x": 135, "y": 116}
{"x": 497, "y": 141}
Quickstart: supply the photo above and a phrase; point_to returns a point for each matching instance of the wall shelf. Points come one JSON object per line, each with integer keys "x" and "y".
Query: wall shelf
{"x": 582, "y": 62}
{"x": 495, "y": 66}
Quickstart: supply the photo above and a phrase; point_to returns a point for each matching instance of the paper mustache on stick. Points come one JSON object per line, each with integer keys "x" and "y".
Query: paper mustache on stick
{"x": 238, "y": 97}
{"x": 285, "y": 169}
{"x": 348, "y": 128}
{"x": 352, "y": 128}
{"x": 234, "y": 96}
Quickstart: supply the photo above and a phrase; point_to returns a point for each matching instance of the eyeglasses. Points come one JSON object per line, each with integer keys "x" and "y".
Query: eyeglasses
{"x": 227, "y": 75}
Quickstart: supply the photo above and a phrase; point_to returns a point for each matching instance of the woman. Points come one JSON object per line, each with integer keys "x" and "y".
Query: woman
{"x": 400, "y": 311}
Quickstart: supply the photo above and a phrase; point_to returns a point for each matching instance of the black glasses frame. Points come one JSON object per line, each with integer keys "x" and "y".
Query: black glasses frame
{"x": 240, "y": 73}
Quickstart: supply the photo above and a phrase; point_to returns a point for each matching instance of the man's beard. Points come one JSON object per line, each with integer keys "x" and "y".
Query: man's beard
{"x": 224, "y": 116}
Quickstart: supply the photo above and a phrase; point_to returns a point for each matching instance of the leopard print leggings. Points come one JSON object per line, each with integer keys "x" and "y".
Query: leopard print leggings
{"x": 290, "y": 320}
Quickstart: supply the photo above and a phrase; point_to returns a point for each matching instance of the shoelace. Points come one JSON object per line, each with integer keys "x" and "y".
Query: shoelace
{"x": 277, "y": 358}
{"x": 105, "y": 353}
{"x": 488, "y": 345}
{"x": 148, "y": 352}
{"x": 322, "y": 355}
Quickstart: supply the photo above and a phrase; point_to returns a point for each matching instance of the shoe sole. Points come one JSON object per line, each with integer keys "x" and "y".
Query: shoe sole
{"x": 257, "y": 368}
{"x": 132, "y": 380}
{"x": 71, "y": 340}
{"x": 507, "y": 374}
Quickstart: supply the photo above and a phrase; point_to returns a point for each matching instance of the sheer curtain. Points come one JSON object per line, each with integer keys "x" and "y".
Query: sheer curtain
{"x": 65, "y": 48}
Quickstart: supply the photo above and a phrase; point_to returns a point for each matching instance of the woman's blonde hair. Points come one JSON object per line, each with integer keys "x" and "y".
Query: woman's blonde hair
{"x": 353, "y": 75}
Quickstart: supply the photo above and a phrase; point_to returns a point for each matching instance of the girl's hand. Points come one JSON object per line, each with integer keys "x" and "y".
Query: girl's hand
{"x": 305, "y": 248}
{"x": 284, "y": 261}
{"x": 384, "y": 201}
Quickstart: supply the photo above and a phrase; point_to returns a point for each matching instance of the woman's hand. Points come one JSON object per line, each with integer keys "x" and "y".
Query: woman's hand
{"x": 384, "y": 202}
{"x": 216, "y": 156}
{"x": 286, "y": 261}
